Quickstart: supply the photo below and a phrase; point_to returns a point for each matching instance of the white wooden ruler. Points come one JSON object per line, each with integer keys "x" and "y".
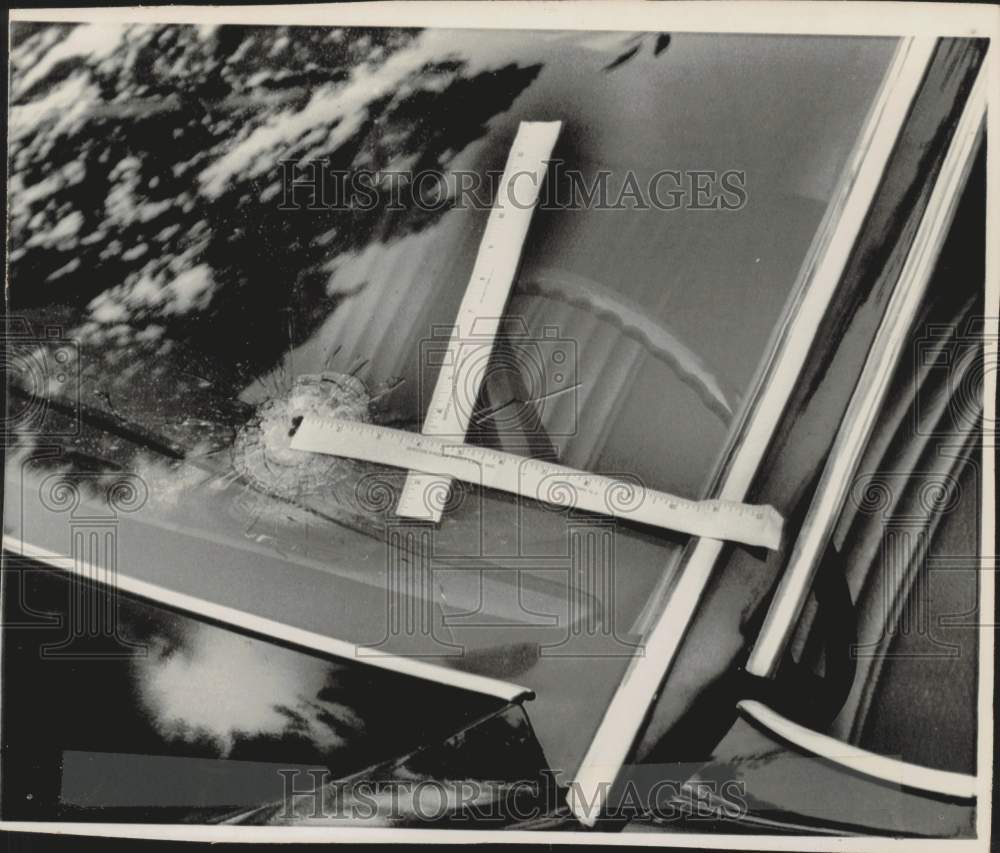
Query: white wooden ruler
{"x": 539, "y": 480}
{"x": 482, "y": 307}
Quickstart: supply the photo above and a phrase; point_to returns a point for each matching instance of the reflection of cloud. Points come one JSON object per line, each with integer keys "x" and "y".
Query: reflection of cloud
{"x": 227, "y": 687}
{"x": 342, "y": 106}
{"x": 191, "y": 289}
{"x": 22, "y": 198}
{"x": 68, "y": 102}
{"x": 335, "y": 112}
{"x": 93, "y": 41}
{"x": 64, "y": 229}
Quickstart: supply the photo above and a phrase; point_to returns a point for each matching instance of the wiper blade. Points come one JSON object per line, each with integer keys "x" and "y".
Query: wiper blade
{"x": 112, "y": 423}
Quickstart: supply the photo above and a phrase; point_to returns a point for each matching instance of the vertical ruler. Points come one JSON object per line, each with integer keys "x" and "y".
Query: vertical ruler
{"x": 482, "y": 307}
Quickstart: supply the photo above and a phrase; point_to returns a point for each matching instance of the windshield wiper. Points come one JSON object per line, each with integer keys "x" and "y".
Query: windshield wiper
{"x": 112, "y": 422}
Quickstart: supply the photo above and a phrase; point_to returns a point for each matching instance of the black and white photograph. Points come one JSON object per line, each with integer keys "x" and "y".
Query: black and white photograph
{"x": 560, "y": 422}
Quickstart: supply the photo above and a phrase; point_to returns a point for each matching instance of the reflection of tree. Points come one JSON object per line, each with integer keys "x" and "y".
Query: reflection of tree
{"x": 145, "y": 189}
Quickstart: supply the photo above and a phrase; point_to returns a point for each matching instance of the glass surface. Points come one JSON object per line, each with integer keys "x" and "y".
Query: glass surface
{"x": 153, "y": 248}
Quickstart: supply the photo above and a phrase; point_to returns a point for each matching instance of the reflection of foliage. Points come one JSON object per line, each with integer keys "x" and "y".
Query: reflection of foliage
{"x": 146, "y": 188}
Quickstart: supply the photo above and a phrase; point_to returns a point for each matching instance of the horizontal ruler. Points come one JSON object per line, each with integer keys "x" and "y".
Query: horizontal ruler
{"x": 483, "y": 303}
{"x": 624, "y": 498}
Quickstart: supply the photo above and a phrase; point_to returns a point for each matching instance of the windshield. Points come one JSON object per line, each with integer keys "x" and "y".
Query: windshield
{"x": 175, "y": 303}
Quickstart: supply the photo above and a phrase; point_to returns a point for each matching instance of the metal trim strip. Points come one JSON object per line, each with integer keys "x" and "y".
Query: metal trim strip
{"x": 944, "y": 782}
{"x": 863, "y": 409}
{"x": 307, "y": 640}
{"x": 820, "y": 275}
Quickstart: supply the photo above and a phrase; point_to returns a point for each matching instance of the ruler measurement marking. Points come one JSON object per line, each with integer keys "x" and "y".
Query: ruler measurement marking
{"x": 495, "y": 469}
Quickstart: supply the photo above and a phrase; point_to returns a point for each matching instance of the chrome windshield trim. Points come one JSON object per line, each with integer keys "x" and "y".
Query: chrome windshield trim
{"x": 942, "y": 782}
{"x": 818, "y": 279}
{"x": 306, "y": 640}
{"x": 870, "y": 393}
